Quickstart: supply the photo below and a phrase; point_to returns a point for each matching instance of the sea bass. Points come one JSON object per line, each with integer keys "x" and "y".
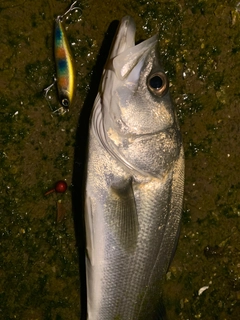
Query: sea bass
{"x": 134, "y": 183}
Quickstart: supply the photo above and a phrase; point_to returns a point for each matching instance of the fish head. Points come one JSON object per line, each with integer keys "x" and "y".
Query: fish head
{"x": 134, "y": 89}
{"x": 134, "y": 117}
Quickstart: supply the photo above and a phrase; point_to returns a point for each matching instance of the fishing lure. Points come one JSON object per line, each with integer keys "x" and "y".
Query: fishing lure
{"x": 65, "y": 76}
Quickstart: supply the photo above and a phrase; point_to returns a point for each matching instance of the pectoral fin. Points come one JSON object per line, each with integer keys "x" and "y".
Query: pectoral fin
{"x": 122, "y": 214}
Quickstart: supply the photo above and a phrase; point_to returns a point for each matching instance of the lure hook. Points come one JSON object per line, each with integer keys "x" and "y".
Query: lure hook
{"x": 71, "y": 8}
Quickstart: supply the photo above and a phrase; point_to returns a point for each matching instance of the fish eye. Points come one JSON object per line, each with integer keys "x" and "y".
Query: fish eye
{"x": 158, "y": 83}
{"x": 65, "y": 103}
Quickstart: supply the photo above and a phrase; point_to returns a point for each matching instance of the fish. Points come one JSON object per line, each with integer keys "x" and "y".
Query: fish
{"x": 134, "y": 182}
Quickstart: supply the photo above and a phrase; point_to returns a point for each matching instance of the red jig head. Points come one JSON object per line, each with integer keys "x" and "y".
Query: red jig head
{"x": 60, "y": 187}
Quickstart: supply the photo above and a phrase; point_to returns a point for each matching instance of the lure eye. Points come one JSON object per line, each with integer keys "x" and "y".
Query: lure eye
{"x": 65, "y": 103}
{"x": 158, "y": 84}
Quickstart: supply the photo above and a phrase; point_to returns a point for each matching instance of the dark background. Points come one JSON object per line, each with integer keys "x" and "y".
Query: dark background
{"x": 200, "y": 43}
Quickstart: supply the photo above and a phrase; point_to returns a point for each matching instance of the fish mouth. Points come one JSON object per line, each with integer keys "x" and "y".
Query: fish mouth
{"x": 124, "y": 37}
{"x": 124, "y": 54}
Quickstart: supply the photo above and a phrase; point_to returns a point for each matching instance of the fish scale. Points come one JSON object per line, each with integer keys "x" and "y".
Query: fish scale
{"x": 138, "y": 263}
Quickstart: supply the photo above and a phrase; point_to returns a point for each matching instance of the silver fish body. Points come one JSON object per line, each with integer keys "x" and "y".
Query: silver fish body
{"x": 134, "y": 183}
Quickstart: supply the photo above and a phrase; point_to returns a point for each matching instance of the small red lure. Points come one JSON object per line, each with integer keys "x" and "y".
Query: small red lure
{"x": 60, "y": 187}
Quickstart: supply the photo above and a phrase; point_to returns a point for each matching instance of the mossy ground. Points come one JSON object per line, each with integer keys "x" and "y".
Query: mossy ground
{"x": 200, "y": 49}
